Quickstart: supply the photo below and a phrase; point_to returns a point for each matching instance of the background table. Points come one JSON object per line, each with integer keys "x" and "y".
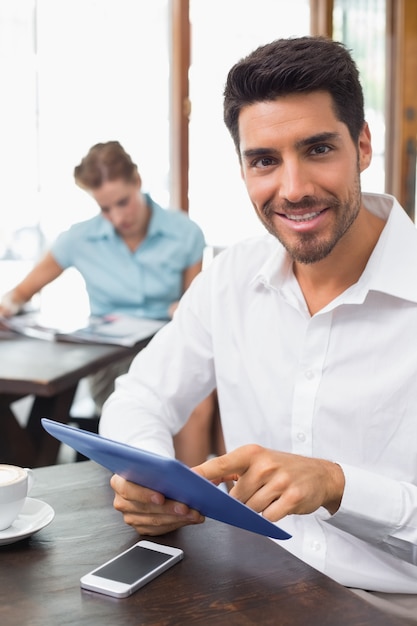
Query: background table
{"x": 51, "y": 372}
{"x": 228, "y": 576}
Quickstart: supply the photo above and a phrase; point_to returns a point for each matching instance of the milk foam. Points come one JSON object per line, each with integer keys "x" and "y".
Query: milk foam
{"x": 10, "y": 474}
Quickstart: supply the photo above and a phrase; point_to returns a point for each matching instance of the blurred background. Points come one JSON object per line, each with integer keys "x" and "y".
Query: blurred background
{"x": 151, "y": 74}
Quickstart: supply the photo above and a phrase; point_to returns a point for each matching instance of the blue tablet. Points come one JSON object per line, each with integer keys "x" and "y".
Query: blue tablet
{"x": 168, "y": 476}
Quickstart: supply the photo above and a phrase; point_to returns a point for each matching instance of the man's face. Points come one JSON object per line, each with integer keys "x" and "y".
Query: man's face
{"x": 302, "y": 171}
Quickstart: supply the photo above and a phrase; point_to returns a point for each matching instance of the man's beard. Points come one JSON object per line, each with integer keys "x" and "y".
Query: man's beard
{"x": 312, "y": 247}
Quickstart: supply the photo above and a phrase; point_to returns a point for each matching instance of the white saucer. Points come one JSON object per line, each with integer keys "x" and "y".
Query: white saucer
{"x": 35, "y": 515}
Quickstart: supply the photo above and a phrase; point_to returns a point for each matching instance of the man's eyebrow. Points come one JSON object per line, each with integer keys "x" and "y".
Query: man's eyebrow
{"x": 259, "y": 152}
{"x": 319, "y": 138}
{"x": 301, "y": 143}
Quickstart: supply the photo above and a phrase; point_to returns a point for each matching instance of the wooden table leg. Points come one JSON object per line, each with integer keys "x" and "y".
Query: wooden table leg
{"x": 16, "y": 446}
{"x": 56, "y": 408}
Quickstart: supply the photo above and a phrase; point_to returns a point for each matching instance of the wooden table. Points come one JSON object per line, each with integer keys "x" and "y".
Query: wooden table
{"x": 228, "y": 576}
{"x": 51, "y": 372}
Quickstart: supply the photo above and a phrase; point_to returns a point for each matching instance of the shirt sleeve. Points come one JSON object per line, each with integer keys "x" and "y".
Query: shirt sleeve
{"x": 154, "y": 399}
{"x": 62, "y": 249}
{"x": 380, "y": 511}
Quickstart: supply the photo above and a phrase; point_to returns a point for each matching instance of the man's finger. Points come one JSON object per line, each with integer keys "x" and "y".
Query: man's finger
{"x": 131, "y": 491}
{"x": 229, "y": 466}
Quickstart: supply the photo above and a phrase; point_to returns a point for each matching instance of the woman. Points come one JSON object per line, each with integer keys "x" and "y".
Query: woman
{"x": 135, "y": 257}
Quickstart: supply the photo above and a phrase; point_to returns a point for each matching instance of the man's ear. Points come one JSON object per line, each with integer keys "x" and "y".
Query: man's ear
{"x": 364, "y": 147}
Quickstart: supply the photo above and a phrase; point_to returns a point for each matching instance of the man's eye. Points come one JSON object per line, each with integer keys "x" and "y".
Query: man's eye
{"x": 264, "y": 162}
{"x": 321, "y": 149}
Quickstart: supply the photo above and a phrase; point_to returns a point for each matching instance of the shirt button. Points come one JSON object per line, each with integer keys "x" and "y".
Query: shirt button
{"x": 315, "y": 545}
{"x": 309, "y": 374}
{"x": 301, "y": 436}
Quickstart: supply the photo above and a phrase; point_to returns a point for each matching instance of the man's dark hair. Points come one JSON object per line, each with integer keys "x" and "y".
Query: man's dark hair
{"x": 291, "y": 66}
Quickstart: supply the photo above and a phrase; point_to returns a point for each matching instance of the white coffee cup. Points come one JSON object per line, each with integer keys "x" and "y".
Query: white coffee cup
{"x": 15, "y": 483}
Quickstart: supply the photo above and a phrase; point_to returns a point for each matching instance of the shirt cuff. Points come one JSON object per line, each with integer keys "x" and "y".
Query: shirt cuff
{"x": 371, "y": 507}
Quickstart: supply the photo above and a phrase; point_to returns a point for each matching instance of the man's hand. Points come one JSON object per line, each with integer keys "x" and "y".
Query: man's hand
{"x": 277, "y": 484}
{"x": 149, "y": 512}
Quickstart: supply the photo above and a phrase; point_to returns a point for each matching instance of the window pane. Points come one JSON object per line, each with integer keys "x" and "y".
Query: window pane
{"x": 103, "y": 71}
{"x": 360, "y": 24}
{"x": 73, "y": 73}
{"x": 18, "y": 135}
{"x": 223, "y": 31}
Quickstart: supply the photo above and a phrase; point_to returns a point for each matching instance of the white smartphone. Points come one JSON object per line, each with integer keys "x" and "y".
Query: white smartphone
{"x": 132, "y": 569}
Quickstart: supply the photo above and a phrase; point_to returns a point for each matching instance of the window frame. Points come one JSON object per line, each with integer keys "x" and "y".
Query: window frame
{"x": 401, "y": 114}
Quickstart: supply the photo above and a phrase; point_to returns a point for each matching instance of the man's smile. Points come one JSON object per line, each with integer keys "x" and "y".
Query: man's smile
{"x": 306, "y": 217}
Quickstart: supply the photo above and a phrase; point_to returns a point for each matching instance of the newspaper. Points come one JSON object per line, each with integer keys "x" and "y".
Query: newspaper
{"x": 117, "y": 329}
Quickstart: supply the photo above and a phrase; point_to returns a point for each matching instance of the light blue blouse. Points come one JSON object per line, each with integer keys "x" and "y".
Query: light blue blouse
{"x": 142, "y": 283}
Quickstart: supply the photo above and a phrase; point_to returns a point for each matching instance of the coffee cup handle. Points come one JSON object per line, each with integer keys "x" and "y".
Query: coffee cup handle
{"x": 31, "y": 478}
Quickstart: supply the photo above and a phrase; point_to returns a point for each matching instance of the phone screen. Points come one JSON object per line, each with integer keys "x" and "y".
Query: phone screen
{"x": 131, "y": 566}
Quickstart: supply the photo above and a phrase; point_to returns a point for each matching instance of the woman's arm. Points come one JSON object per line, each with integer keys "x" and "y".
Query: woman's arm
{"x": 190, "y": 273}
{"x": 42, "y": 274}
{"x": 188, "y": 276}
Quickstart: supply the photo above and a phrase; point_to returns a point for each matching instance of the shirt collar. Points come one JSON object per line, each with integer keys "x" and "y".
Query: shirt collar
{"x": 392, "y": 266}
{"x": 157, "y": 223}
{"x": 398, "y": 240}
{"x": 102, "y": 229}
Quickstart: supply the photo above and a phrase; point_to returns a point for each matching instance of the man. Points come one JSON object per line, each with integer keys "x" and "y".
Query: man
{"x": 308, "y": 333}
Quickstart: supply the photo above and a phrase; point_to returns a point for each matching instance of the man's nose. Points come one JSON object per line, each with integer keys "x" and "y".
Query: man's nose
{"x": 295, "y": 182}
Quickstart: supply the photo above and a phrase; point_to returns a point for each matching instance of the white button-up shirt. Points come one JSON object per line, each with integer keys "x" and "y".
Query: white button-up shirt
{"x": 339, "y": 385}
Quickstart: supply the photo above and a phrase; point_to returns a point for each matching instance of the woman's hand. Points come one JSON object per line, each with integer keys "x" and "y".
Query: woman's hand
{"x": 172, "y": 308}
{"x": 9, "y": 306}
